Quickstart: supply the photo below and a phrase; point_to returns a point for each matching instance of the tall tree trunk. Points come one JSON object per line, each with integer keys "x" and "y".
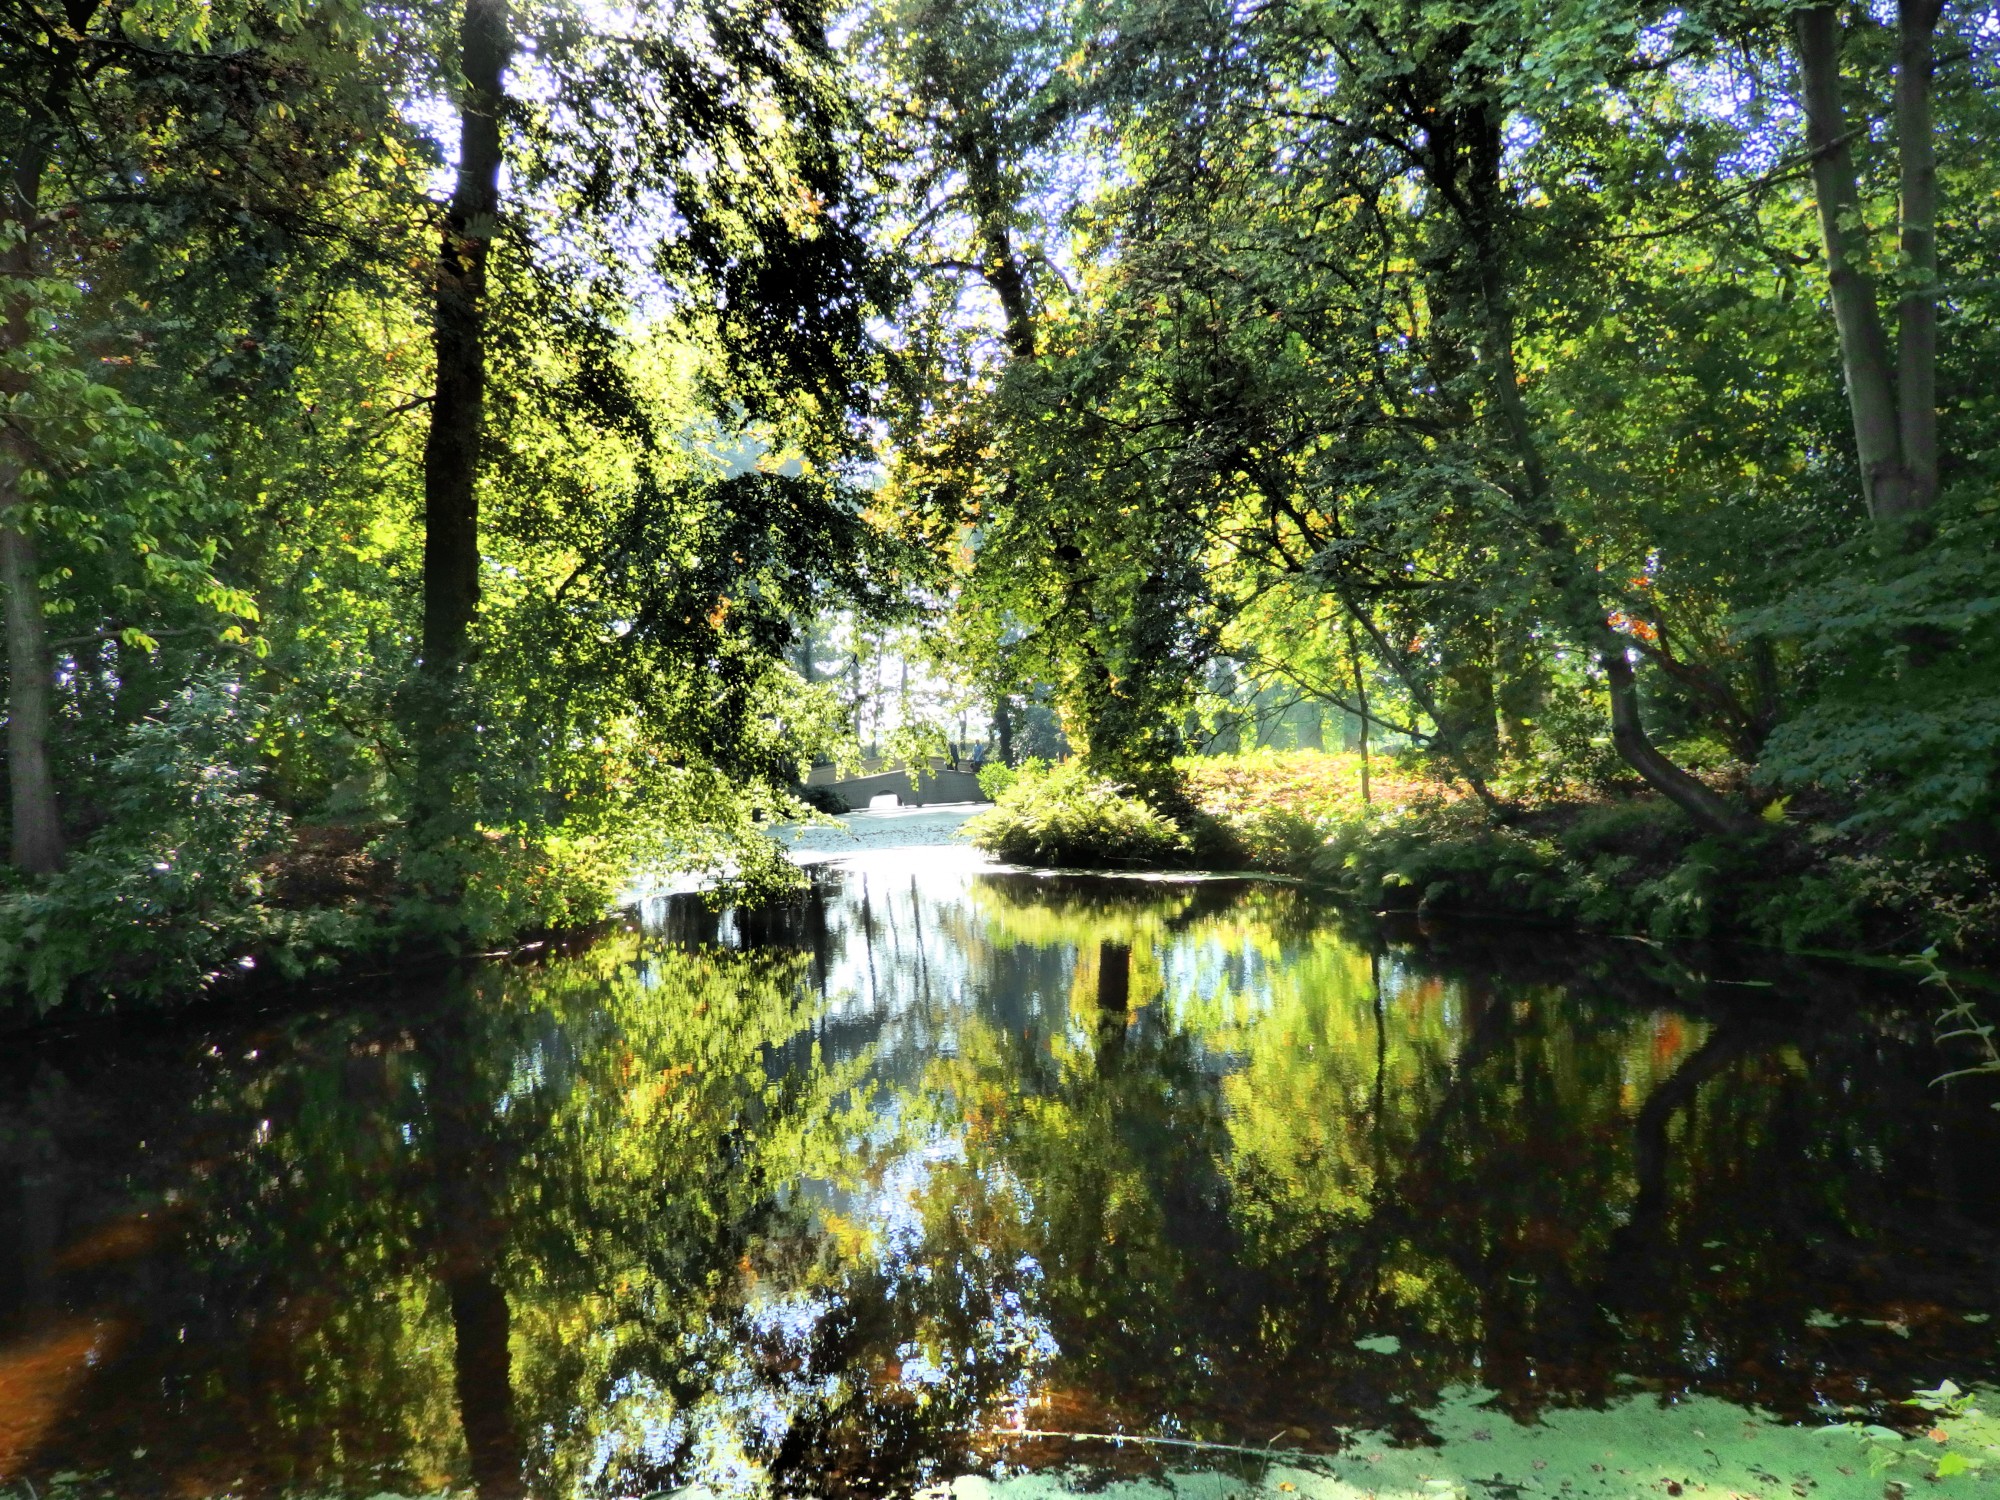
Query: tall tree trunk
{"x": 458, "y": 406}
{"x": 446, "y": 747}
{"x": 1361, "y": 702}
{"x": 999, "y": 267}
{"x": 1894, "y": 410}
{"x": 1864, "y": 352}
{"x": 36, "y": 844}
{"x": 1916, "y": 312}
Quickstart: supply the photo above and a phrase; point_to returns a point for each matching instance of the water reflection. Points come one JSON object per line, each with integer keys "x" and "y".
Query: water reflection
{"x": 841, "y": 1197}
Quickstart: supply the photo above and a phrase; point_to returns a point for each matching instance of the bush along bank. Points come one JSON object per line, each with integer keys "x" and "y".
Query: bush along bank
{"x": 1612, "y": 864}
{"x": 196, "y": 881}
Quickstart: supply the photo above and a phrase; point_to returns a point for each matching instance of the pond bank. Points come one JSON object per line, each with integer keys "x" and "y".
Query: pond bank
{"x": 1625, "y": 864}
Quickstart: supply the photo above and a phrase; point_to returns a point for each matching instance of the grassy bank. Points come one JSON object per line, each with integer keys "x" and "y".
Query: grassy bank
{"x": 1591, "y": 859}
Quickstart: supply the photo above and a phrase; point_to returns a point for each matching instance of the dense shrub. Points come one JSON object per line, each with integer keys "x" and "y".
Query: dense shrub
{"x": 1609, "y": 861}
{"x": 174, "y": 890}
{"x": 1065, "y": 815}
{"x": 822, "y": 799}
{"x": 996, "y": 775}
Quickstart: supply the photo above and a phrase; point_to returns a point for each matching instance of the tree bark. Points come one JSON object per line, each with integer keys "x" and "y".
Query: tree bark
{"x": 1864, "y": 351}
{"x": 36, "y": 845}
{"x": 1361, "y": 700}
{"x": 1916, "y": 312}
{"x": 999, "y": 268}
{"x": 1628, "y": 734}
{"x": 458, "y": 406}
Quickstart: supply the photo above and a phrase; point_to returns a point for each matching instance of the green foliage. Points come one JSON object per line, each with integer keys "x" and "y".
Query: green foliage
{"x": 1962, "y": 1021}
{"x": 218, "y": 390}
{"x": 1904, "y": 649}
{"x": 1067, "y": 815}
{"x": 1639, "y": 867}
{"x": 1956, "y": 1442}
{"x": 996, "y": 776}
{"x": 175, "y": 890}
{"x": 1422, "y": 360}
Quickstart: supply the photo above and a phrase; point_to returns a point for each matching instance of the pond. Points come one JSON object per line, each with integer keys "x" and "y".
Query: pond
{"x": 875, "y": 1190}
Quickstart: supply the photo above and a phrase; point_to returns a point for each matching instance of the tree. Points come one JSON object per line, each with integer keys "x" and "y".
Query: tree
{"x": 114, "y": 125}
{"x": 1893, "y": 403}
{"x": 458, "y": 402}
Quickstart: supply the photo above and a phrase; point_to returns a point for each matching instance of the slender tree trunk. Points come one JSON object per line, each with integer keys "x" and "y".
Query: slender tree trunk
{"x": 1896, "y": 479}
{"x": 1361, "y": 702}
{"x": 1426, "y": 701}
{"x": 37, "y": 841}
{"x": 1916, "y": 313}
{"x": 458, "y": 407}
{"x": 37, "y": 846}
{"x": 1003, "y": 728}
{"x": 1628, "y": 735}
{"x": 446, "y": 748}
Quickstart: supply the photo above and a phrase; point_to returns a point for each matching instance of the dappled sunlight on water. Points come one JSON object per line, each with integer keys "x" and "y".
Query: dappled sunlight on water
{"x": 848, "y": 1196}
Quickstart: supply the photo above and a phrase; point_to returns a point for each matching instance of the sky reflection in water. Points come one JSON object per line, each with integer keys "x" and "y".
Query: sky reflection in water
{"x": 829, "y": 1199}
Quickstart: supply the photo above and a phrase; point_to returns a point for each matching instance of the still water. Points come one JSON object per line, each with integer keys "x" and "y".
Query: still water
{"x": 840, "y": 1199}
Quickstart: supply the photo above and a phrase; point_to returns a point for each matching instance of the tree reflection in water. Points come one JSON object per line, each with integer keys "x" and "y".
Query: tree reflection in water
{"x": 826, "y": 1199}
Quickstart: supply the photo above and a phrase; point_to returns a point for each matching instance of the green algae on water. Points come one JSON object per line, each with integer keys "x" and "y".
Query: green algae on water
{"x": 1698, "y": 1448}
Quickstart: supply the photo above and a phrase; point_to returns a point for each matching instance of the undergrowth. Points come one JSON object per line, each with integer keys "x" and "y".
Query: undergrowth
{"x": 1612, "y": 862}
{"x": 1065, "y": 815}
